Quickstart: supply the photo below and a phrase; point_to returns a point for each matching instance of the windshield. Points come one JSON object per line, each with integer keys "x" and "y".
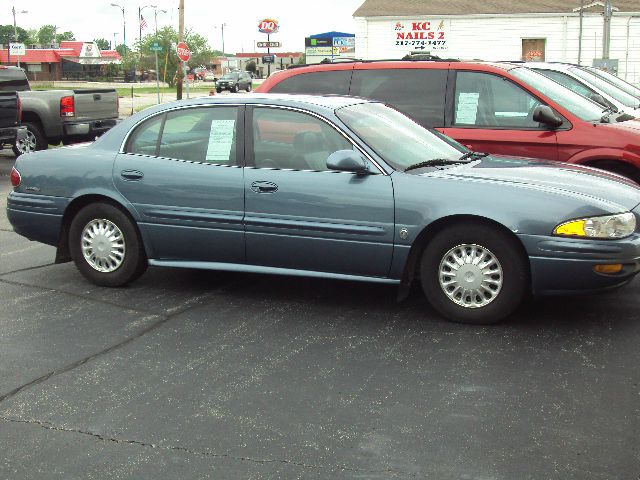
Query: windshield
{"x": 578, "y": 105}
{"x": 397, "y": 139}
{"x": 606, "y": 87}
{"x": 229, "y": 76}
{"x": 618, "y": 82}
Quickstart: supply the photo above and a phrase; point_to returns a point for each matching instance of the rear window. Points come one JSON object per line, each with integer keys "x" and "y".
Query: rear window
{"x": 334, "y": 82}
{"x": 418, "y": 93}
{"x": 13, "y": 80}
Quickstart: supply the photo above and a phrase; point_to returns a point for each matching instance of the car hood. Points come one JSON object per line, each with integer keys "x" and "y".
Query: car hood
{"x": 553, "y": 177}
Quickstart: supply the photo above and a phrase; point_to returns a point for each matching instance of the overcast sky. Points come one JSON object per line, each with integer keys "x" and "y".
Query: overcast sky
{"x": 89, "y": 19}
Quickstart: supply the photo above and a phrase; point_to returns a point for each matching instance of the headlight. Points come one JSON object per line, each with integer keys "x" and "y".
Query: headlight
{"x": 608, "y": 226}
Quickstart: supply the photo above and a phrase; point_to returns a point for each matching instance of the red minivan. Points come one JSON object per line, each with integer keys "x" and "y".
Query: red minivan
{"x": 497, "y": 108}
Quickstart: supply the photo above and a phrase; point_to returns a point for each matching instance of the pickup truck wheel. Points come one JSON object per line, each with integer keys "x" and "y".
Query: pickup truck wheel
{"x": 33, "y": 140}
{"x": 105, "y": 246}
{"x": 474, "y": 273}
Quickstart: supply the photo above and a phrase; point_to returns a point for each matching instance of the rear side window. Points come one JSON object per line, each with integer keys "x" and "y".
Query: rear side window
{"x": 13, "y": 80}
{"x": 334, "y": 82}
{"x": 418, "y": 93}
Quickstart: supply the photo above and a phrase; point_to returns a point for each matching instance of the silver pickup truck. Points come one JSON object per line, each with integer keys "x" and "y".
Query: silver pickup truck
{"x": 54, "y": 116}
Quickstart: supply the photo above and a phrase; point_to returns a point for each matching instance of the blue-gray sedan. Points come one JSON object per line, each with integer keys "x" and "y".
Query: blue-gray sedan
{"x": 331, "y": 187}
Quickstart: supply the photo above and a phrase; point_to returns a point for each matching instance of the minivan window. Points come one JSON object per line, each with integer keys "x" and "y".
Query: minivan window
{"x": 486, "y": 100}
{"x": 418, "y": 93}
{"x": 581, "y": 107}
{"x": 567, "y": 81}
{"x": 397, "y": 139}
{"x": 334, "y": 82}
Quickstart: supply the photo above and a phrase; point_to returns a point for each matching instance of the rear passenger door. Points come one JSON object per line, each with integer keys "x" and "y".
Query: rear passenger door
{"x": 419, "y": 93}
{"x": 182, "y": 172}
{"x": 492, "y": 114}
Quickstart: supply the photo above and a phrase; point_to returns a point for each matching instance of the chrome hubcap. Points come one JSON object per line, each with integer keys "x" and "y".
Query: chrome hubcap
{"x": 103, "y": 245}
{"x": 470, "y": 275}
{"x": 28, "y": 143}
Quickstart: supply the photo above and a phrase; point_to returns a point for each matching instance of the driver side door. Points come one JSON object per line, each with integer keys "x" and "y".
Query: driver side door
{"x": 493, "y": 114}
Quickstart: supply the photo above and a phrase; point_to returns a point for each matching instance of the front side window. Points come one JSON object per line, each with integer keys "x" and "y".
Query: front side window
{"x": 489, "y": 101}
{"x": 205, "y": 134}
{"x": 287, "y": 139}
{"x": 418, "y": 93}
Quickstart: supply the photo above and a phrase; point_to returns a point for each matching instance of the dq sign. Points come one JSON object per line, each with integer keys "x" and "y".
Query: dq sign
{"x": 268, "y": 26}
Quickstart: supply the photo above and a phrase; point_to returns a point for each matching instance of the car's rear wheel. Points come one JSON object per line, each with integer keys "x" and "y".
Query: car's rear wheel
{"x": 33, "y": 140}
{"x": 105, "y": 246}
{"x": 474, "y": 273}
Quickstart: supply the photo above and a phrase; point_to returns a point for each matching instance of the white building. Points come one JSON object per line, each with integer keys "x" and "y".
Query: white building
{"x": 500, "y": 30}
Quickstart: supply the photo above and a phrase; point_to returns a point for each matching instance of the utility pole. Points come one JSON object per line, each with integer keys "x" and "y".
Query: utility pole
{"x": 15, "y": 30}
{"x": 580, "y": 33}
{"x": 606, "y": 34}
{"x": 180, "y": 39}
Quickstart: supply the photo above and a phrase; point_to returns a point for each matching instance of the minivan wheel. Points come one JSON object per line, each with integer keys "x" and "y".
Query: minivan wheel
{"x": 473, "y": 273}
{"x": 33, "y": 140}
{"x": 105, "y": 246}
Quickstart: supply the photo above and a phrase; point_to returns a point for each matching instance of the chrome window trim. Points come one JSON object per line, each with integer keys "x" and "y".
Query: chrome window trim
{"x": 121, "y": 151}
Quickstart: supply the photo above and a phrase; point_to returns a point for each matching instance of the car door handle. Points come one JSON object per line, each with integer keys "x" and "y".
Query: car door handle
{"x": 264, "y": 187}
{"x": 131, "y": 174}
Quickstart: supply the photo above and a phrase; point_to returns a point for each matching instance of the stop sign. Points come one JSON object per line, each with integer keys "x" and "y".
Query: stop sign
{"x": 183, "y": 51}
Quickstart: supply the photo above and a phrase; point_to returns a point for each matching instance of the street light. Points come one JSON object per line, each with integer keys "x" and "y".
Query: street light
{"x": 140, "y": 18}
{"x": 15, "y": 28}
{"x": 124, "y": 24}
{"x": 155, "y": 14}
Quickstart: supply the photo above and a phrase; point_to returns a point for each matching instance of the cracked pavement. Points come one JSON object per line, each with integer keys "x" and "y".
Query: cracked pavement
{"x": 196, "y": 374}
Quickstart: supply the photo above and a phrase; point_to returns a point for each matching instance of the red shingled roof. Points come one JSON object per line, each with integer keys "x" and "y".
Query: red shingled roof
{"x": 35, "y": 55}
{"x": 75, "y": 46}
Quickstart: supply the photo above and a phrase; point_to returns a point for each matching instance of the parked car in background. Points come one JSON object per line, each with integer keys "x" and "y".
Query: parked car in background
{"x": 234, "y": 82}
{"x": 334, "y": 187}
{"x": 588, "y": 85}
{"x": 490, "y": 107}
{"x": 10, "y": 117}
{"x": 54, "y": 116}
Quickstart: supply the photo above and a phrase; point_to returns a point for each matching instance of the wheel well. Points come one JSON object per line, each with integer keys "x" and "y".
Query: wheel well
{"x": 77, "y": 204}
{"x": 412, "y": 266}
{"x": 31, "y": 117}
{"x": 620, "y": 167}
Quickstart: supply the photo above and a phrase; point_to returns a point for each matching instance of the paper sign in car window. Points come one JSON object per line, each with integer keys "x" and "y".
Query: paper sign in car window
{"x": 467, "y": 110}
{"x": 220, "y": 141}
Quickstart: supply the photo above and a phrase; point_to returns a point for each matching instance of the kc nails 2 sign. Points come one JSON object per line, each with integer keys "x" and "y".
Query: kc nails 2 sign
{"x": 425, "y": 35}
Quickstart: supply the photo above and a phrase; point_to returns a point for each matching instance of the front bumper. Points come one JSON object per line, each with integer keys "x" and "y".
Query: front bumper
{"x": 566, "y": 265}
{"x": 90, "y": 129}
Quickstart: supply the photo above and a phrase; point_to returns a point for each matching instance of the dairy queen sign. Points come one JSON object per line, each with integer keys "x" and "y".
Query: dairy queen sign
{"x": 427, "y": 35}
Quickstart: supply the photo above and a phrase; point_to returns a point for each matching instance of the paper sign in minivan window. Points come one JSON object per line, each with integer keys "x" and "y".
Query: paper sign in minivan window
{"x": 220, "y": 141}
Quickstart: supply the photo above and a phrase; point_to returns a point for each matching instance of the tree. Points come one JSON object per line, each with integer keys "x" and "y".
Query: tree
{"x": 103, "y": 44}
{"x": 65, "y": 36}
{"x": 122, "y": 49}
{"x": 167, "y": 37}
{"x": 7, "y": 34}
{"x": 32, "y": 36}
{"x": 251, "y": 66}
{"x": 47, "y": 34}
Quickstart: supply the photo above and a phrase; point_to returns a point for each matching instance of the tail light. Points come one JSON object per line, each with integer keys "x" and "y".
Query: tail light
{"x": 19, "y": 110}
{"x": 15, "y": 177}
{"x": 67, "y": 107}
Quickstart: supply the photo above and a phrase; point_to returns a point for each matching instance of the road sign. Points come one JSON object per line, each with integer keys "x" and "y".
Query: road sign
{"x": 16, "y": 49}
{"x": 268, "y": 58}
{"x": 269, "y": 44}
{"x": 155, "y": 47}
{"x": 183, "y": 51}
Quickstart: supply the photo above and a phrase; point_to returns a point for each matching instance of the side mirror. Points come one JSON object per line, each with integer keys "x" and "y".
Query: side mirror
{"x": 599, "y": 99}
{"x": 347, "y": 161}
{"x": 544, "y": 114}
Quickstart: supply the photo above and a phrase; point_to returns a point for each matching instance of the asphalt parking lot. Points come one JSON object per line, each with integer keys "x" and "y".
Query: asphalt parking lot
{"x": 192, "y": 374}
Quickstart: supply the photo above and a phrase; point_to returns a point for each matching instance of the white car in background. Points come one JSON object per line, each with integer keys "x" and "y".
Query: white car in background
{"x": 588, "y": 84}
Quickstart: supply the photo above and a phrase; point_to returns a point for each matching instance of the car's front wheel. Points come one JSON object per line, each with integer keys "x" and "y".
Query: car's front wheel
{"x": 474, "y": 273}
{"x": 105, "y": 246}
